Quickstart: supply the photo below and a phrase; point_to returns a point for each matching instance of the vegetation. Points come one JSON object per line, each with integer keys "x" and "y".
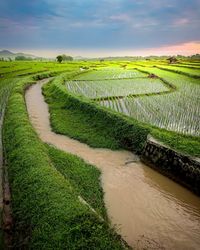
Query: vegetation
{"x": 178, "y": 111}
{"x": 102, "y": 128}
{"x": 108, "y": 104}
{"x": 183, "y": 71}
{"x": 84, "y": 121}
{"x": 84, "y": 178}
{"x": 150, "y": 100}
{"x": 23, "y": 58}
{"x": 46, "y": 209}
{"x": 59, "y": 58}
{"x": 121, "y": 83}
{"x": 63, "y": 57}
{"x": 67, "y": 58}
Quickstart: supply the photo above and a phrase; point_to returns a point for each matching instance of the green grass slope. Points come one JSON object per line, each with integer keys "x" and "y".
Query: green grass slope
{"x": 46, "y": 210}
{"x": 91, "y": 123}
{"x": 84, "y": 178}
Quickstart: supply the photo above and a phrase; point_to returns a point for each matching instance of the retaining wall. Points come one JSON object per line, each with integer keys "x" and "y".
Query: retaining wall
{"x": 181, "y": 168}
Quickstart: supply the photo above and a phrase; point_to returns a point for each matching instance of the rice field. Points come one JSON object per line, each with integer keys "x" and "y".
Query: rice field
{"x": 23, "y": 69}
{"x": 183, "y": 70}
{"x": 126, "y": 88}
{"x": 114, "y": 82}
{"x": 146, "y": 99}
{"x": 108, "y": 73}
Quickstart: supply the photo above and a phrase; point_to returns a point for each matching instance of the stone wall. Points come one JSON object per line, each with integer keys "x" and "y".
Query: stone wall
{"x": 181, "y": 168}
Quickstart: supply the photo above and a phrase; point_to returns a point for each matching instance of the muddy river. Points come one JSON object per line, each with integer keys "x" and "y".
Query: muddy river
{"x": 149, "y": 210}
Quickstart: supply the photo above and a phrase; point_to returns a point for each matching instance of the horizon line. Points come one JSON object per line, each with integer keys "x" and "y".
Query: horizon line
{"x": 184, "y": 49}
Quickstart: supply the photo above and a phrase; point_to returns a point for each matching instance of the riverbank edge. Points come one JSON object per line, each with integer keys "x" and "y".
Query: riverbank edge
{"x": 40, "y": 222}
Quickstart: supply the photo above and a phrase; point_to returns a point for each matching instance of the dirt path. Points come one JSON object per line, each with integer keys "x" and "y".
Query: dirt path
{"x": 149, "y": 209}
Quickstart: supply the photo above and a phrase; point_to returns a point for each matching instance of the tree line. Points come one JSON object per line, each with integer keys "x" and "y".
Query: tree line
{"x": 61, "y": 58}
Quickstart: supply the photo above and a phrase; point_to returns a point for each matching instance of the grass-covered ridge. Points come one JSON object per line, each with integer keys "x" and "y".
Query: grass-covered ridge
{"x": 188, "y": 145}
{"x": 83, "y": 177}
{"x": 85, "y": 120}
{"x": 46, "y": 210}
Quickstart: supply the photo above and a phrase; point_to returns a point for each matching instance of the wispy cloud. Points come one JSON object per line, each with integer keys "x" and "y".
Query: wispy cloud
{"x": 92, "y": 24}
{"x": 181, "y": 21}
{"x": 121, "y": 17}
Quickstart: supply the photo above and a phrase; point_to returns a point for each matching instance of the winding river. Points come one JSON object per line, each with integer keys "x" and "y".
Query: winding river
{"x": 149, "y": 210}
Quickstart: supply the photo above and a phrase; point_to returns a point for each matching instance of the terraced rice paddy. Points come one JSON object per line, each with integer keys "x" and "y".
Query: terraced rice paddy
{"x": 97, "y": 84}
{"x": 192, "y": 72}
{"x": 22, "y": 69}
{"x": 146, "y": 99}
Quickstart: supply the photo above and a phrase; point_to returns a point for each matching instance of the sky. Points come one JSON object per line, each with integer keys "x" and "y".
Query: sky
{"x": 100, "y": 27}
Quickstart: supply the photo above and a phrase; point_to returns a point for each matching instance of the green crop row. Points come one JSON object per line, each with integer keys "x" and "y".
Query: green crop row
{"x": 102, "y": 88}
{"x": 187, "y": 72}
{"x": 186, "y": 66}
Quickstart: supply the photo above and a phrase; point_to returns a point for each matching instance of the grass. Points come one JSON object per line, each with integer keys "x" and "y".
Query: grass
{"x": 46, "y": 182}
{"x": 22, "y": 69}
{"x": 102, "y": 127}
{"x": 78, "y": 125}
{"x": 46, "y": 210}
{"x": 84, "y": 178}
{"x": 189, "y": 145}
{"x": 194, "y": 73}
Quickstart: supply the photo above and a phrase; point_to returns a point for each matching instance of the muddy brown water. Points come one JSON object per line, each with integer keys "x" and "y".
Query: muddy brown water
{"x": 149, "y": 210}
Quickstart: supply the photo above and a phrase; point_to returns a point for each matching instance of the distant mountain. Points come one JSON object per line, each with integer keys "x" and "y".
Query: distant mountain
{"x": 9, "y": 54}
{"x": 6, "y": 53}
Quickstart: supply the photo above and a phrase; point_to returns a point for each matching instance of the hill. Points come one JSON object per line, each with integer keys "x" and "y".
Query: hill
{"x": 9, "y": 54}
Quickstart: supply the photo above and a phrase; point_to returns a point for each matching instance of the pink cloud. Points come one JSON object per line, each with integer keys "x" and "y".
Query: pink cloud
{"x": 181, "y": 22}
{"x": 189, "y": 48}
{"x": 183, "y": 48}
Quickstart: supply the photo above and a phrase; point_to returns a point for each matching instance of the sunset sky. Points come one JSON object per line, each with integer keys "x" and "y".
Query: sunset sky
{"x": 100, "y": 27}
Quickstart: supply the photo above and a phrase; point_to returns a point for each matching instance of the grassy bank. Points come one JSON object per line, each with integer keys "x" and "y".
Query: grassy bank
{"x": 97, "y": 126}
{"x": 86, "y": 121}
{"x": 189, "y": 145}
{"x": 84, "y": 178}
{"x": 46, "y": 210}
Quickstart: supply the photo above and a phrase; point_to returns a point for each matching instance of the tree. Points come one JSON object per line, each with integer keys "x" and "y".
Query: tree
{"x": 59, "y": 58}
{"x": 67, "y": 58}
{"x": 23, "y": 58}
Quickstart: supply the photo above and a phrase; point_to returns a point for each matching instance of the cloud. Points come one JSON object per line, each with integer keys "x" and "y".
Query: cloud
{"x": 189, "y": 48}
{"x": 181, "y": 21}
{"x": 121, "y": 17}
{"x": 183, "y": 48}
{"x": 92, "y": 24}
